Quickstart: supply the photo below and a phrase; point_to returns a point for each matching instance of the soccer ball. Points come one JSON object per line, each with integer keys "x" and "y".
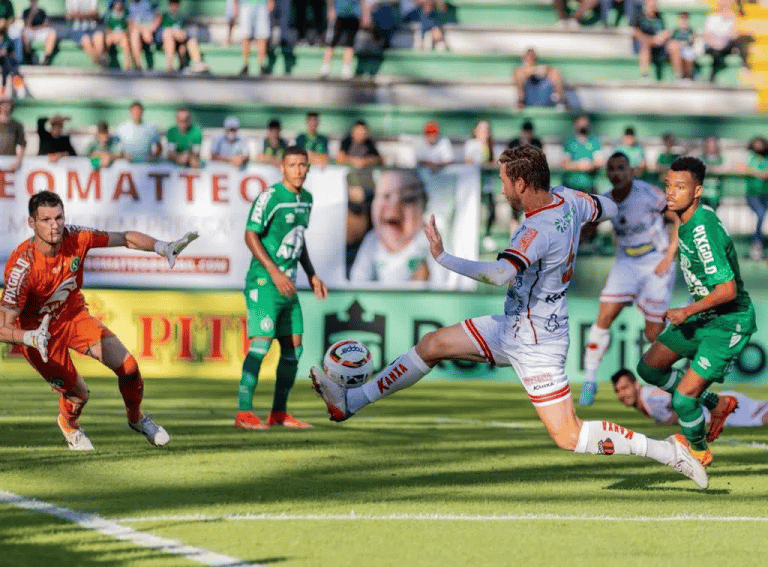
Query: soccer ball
{"x": 348, "y": 362}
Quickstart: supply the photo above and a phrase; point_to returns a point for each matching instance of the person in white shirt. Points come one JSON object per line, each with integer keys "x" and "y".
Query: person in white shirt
{"x": 721, "y": 36}
{"x": 644, "y": 270}
{"x": 432, "y": 151}
{"x": 141, "y": 141}
{"x": 532, "y": 334}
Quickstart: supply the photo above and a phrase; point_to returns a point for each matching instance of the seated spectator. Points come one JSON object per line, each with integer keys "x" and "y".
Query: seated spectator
{"x": 628, "y": 7}
{"x": 37, "y": 28}
{"x": 229, "y": 147}
{"x": 431, "y": 20}
{"x": 84, "y": 29}
{"x": 347, "y": 17}
{"x": 184, "y": 140}
{"x": 630, "y": 147}
{"x": 54, "y": 143}
{"x": 757, "y": 191}
{"x": 13, "y": 142}
{"x": 385, "y": 19}
{"x": 671, "y": 153}
{"x": 104, "y": 148}
{"x": 274, "y": 145}
{"x": 567, "y": 21}
{"x": 652, "y": 38}
{"x": 141, "y": 141}
{"x": 255, "y": 25}
{"x": 682, "y": 42}
{"x": 174, "y": 38}
{"x": 357, "y": 149}
{"x": 309, "y": 32}
{"x": 433, "y": 151}
{"x": 712, "y": 189}
{"x": 582, "y": 158}
{"x": 526, "y": 137}
{"x": 10, "y": 66}
{"x": 316, "y": 144}
{"x": 538, "y": 84}
{"x": 143, "y": 21}
{"x": 478, "y": 150}
{"x": 7, "y": 18}
{"x": 721, "y": 37}
{"x": 116, "y": 31}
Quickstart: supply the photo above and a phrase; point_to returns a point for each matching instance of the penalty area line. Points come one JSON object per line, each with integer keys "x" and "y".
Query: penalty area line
{"x": 124, "y": 533}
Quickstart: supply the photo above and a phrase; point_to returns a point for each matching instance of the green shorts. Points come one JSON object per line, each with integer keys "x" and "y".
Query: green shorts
{"x": 711, "y": 350}
{"x": 270, "y": 314}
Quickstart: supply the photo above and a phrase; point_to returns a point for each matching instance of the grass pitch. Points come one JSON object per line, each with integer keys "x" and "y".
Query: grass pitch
{"x": 442, "y": 474}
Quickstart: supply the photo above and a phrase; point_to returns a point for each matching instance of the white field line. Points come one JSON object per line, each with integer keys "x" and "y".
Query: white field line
{"x": 116, "y": 530}
{"x": 352, "y": 515}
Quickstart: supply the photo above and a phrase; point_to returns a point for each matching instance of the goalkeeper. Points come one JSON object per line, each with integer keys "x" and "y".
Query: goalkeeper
{"x": 43, "y": 308}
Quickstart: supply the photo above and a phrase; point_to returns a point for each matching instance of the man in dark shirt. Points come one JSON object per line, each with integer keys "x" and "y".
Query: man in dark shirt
{"x": 37, "y": 28}
{"x": 526, "y": 137}
{"x": 357, "y": 149}
{"x": 53, "y": 143}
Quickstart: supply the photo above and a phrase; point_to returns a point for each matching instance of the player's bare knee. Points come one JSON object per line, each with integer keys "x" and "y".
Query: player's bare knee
{"x": 432, "y": 347}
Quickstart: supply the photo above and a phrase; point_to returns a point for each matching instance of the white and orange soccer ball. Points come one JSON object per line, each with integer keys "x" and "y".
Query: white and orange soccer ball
{"x": 349, "y": 363}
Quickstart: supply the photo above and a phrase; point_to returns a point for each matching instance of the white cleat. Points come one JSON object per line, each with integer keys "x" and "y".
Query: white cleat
{"x": 333, "y": 394}
{"x": 155, "y": 434}
{"x": 76, "y": 440}
{"x": 687, "y": 464}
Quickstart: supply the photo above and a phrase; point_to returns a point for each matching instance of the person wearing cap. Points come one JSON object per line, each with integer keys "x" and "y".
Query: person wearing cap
{"x": 229, "y": 147}
{"x": 53, "y": 143}
{"x": 104, "y": 148}
{"x": 13, "y": 141}
{"x": 538, "y": 84}
{"x": 432, "y": 151}
{"x": 274, "y": 145}
{"x": 630, "y": 147}
{"x": 527, "y": 137}
{"x": 315, "y": 143}
{"x": 184, "y": 140}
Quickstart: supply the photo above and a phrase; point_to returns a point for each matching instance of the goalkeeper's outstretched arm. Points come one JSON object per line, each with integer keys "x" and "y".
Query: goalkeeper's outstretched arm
{"x": 139, "y": 241}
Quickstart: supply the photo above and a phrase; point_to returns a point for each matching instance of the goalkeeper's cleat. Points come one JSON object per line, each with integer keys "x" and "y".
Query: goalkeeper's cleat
{"x": 247, "y": 420}
{"x": 687, "y": 463}
{"x": 173, "y": 249}
{"x": 705, "y": 457}
{"x": 334, "y": 395}
{"x": 76, "y": 439}
{"x": 155, "y": 434}
{"x": 286, "y": 420}
{"x": 588, "y": 391}
{"x": 726, "y": 405}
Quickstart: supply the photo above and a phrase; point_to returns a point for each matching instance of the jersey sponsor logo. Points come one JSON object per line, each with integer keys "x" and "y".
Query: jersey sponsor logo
{"x": 552, "y": 324}
{"x": 291, "y": 246}
{"x": 527, "y": 238}
{"x": 553, "y": 297}
{"x": 704, "y": 249}
{"x": 735, "y": 338}
{"x": 610, "y": 426}
{"x": 538, "y": 379}
{"x": 561, "y": 224}
{"x": 385, "y": 383}
{"x": 260, "y": 206}
{"x": 537, "y": 387}
{"x": 74, "y": 264}
{"x": 290, "y": 218}
{"x": 704, "y": 362}
{"x": 18, "y": 272}
{"x": 59, "y": 296}
{"x": 695, "y": 286}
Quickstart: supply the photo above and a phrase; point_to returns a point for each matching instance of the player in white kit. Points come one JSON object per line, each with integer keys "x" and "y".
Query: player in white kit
{"x": 644, "y": 270}
{"x": 657, "y": 403}
{"x": 532, "y": 334}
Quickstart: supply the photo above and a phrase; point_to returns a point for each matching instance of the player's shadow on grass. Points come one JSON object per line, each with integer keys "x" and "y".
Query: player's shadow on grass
{"x": 651, "y": 483}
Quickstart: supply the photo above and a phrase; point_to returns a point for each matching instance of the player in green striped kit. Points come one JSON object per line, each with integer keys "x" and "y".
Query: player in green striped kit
{"x": 274, "y": 234}
{"x": 713, "y": 329}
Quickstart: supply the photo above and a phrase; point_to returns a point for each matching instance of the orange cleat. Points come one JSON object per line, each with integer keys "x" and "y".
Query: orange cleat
{"x": 286, "y": 420}
{"x": 726, "y": 405}
{"x": 247, "y": 420}
{"x": 704, "y": 457}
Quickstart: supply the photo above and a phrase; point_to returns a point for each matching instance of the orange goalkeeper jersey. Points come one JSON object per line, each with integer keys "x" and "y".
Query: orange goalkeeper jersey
{"x": 36, "y": 284}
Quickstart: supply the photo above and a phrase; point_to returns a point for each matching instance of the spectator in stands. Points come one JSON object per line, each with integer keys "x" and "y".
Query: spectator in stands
{"x": 254, "y": 26}
{"x": 12, "y": 139}
{"x": 431, "y": 19}
{"x": 682, "y": 42}
{"x": 432, "y": 150}
{"x": 10, "y": 66}
{"x": 53, "y": 143}
{"x": 385, "y": 19}
{"x": 652, "y": 39}
{"x": 37, "y": 28}
{"x": 628, "y": 7}
{"x": 7, "y": 18}
{"x": 357, "y": 149}
{"x": 526, "y": 137}
{"x": 538, "y": 84}
{"x": 315, "y": 143}
{"x": 721, "y": 37}
{"x": 184, "y": 140}
{"x": 173, "y": 36}
{"x": 478, "y": 150}
{"x": 104, "y": 148}
{"x": 757, "y": 191}
{"x": 141, "y": 141}
{"x": 309, "y": 32}
{"x": 274, "y": 144}
{"x": 635, "y": 153}
{"x": 671, "y": 153}
{"x": 83, "y": 18}
{"x": 229, "y": 147}
{"x": 143, "y": 21}
{"x": 582, "y": 158}
{"x": 713, "y": 158}
{"x": 116, "y": 31}
{"x": 347, "y": 17}
{"x": 7, "y": 14}
{"x": 565, "y": 20}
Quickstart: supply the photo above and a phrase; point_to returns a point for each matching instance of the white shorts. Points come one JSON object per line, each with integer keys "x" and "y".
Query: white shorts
{"x": 254, "y": 20}
{"x": 540, "y": 367}
{"x": 39, "y": 35}
{"x": 749, "y": 413}
{"x": 633, "y": 280}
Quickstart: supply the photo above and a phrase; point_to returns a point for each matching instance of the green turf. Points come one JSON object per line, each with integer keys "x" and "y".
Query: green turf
{"x": 444, "y": 448}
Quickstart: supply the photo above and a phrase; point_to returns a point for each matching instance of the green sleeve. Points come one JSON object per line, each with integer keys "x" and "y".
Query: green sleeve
{"x": 720, "y": 243}
{"x": 323, "y": 140}
{"x": 260, "y": 214}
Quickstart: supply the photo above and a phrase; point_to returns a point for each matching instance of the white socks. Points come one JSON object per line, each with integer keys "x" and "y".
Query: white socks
{"x": 608, "y": 438}
{"x": 408, "y": 369}
{"x": 597, "y": 343}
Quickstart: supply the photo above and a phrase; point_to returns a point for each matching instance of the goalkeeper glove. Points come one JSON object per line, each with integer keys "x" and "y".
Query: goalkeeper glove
{"x": 39, "y": 338}
{"x": 172, "y": 249}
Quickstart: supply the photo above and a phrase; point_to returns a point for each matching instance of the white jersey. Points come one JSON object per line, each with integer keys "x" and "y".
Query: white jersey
{"x": 543, "y": 249}
{"x": 374, "y": 263}
{"x": 639, "y": 225}
{"x": 657, "y": 403}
